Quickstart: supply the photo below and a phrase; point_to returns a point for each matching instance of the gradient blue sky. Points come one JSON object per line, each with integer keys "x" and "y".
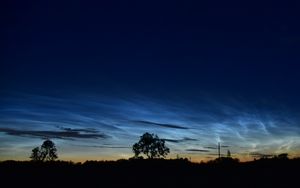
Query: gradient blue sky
{"x": 95, "y": 76}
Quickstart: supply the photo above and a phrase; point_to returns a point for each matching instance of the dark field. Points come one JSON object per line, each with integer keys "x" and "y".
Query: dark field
{"x": 151, "y": 173}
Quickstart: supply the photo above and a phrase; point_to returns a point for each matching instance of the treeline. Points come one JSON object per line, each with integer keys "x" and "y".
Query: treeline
{"x": 44, "y": 170}
{"x": 132, "y": 173}
{"x": 179, "y": 161}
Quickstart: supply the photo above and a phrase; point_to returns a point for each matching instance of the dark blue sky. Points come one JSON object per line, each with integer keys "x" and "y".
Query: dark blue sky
{"x": 213, "y": 70}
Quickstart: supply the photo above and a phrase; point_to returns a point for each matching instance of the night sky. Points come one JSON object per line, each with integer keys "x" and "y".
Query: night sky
{"x": 94, "y": 77}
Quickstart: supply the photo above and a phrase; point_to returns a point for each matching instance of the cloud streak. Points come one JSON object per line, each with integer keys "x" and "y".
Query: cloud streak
{"x": 86, "y": 130}
{"x": 105, "y": 146}
{"x": 197, "y": 150}
{"x": 161, "y": 124}
{"x": 67, "y": 134}
{"x": 180, "y": 140}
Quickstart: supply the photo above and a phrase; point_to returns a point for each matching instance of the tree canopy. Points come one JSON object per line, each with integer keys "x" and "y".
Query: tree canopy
{"x": 151, "y": 146}
{"x": 47, "y": 152}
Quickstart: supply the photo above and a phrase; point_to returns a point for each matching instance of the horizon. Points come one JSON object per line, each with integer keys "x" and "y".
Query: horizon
{"x": 93, "y": 77}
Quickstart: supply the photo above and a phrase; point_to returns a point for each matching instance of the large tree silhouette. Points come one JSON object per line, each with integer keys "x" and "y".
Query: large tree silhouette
{"x": 151, "y": 146}
{"x": 47, "y": 152}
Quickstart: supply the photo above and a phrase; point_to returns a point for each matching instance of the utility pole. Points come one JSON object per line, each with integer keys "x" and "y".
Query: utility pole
{"x": 219, "y": 150}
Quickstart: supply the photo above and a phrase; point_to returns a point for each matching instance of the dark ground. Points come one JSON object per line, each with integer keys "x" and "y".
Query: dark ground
{"x": 152, "y": 173}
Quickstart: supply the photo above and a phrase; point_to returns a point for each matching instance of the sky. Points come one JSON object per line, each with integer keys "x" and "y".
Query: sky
{"x": 94, "y": 76}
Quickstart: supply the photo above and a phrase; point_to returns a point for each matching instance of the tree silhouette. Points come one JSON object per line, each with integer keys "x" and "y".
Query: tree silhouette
{"x": 283, "y": 156}
{"x": 228, "y": 154}
{"x": 36, "y": 154}
{"x": 47, "y": 152}
{"x": 151, "y": 146}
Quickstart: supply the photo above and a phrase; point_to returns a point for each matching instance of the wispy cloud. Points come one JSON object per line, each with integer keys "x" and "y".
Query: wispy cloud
{"x": 260, "y": 155}
{"x": 120, "y": 121}
{"x": 216, "y": 147}
{"x": 180, "y": 140}
{"x": 103, "y": 146}
{"x": 67, "y": 134}
{"x": 161, "y": 124}
{"x": 85, "y": 130}
{"x": 197, "y": 150}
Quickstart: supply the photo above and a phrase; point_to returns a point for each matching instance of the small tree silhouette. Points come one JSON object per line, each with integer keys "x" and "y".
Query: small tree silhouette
{"x": 283, "y": 156}
{"x": 151, "y": 146}
{"x": 36, "y": 154}
{"x": 228, "y": 154}
{"x": 47, "y": 152}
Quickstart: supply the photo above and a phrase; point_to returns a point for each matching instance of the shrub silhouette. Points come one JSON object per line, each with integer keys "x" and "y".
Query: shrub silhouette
{"x": 283, "y": 156}
{"x": 47, "y": 152}
{"x": 151, "y": 146}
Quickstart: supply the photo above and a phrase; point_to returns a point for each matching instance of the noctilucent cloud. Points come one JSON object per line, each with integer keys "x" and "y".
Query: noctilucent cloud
{"x": 100, "y": 127}
{"x": 95, "y": 77}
